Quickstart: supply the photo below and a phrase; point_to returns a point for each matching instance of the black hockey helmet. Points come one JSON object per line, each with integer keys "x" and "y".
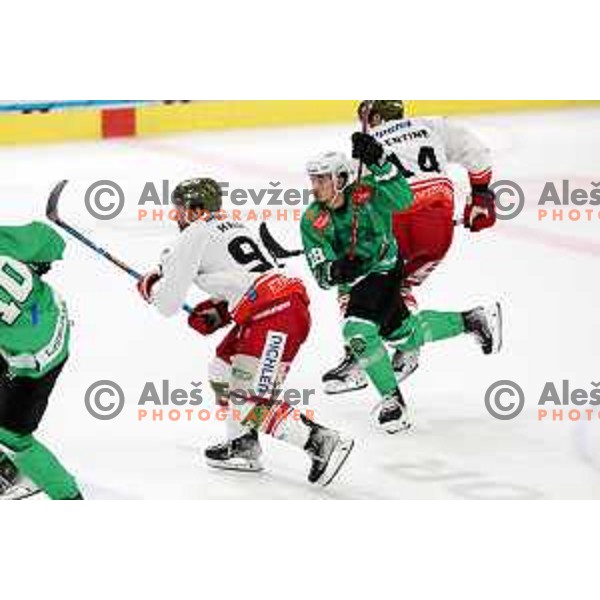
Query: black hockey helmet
{"x": 198, "y": 194}
{"x": 387, "y": 110}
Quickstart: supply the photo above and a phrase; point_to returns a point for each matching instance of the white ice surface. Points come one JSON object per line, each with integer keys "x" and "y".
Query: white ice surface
{"x": 546, "y": 274}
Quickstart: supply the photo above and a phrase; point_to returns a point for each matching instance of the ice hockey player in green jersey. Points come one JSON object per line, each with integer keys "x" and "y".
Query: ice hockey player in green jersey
{"x": 34, "y": 346}
{"x": 422, "y": 149}
{"x": 349, "y": 244}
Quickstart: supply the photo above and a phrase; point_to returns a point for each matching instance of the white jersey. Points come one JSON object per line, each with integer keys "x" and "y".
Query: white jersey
{"x": 423, "y": 147}
{"x": 221, "y": 257}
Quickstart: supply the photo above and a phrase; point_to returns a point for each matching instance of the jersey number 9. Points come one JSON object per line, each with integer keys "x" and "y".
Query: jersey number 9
{"x": 246, "y": 252}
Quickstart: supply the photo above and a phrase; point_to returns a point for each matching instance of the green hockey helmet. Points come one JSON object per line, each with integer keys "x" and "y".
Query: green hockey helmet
{"x": 388, "y": 110}
{"x": 198, "y": 194}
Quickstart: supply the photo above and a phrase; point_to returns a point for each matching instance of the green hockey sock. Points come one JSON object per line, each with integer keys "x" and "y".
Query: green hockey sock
{"x": 367, "y": 346}
{"x": 427, "y": 326}
{"x": 35, "y": 461}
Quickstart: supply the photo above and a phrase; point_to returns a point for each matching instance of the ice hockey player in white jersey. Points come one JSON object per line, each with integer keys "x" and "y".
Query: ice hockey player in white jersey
{"x": 422, "y": 148}
{"x": 270, "y": 319}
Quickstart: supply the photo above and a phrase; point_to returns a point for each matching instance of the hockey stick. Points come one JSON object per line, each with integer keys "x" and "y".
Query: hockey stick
{"x": 354, "y": 226}
{"x": 52, "y": 214}
{"x": 273, "y": 246}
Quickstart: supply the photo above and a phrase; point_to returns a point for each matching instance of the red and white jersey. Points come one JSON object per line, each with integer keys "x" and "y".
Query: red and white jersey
{"x": 423, "y": 148}
{"x": 225, "y": 260}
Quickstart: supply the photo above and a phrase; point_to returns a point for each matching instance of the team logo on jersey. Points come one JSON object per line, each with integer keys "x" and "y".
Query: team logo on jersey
{"x": 322, "y": 221}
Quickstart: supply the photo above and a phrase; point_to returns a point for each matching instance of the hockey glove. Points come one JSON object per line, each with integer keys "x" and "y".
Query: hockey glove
{"x": 345, "y": 270}
{"x": 146, "y": 283}
{"x": 209, "y": 316}
{"x": 480, "y": 212}
{"x": 367, "y": 149}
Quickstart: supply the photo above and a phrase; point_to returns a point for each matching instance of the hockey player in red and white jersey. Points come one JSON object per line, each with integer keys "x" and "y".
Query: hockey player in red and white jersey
{"x": 270, "y": 320}
{"x": 422, "y": 148}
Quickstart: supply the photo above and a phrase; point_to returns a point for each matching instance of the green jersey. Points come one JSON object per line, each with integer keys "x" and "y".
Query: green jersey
{"x": 327, "y": 233}
{"x": 34, "y": 325}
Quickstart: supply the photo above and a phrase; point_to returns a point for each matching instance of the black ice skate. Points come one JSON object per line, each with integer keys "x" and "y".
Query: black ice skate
{"x": 346, "y": 377}
{"x": 8, "y": 473}
{"x": 405, "y": 364}
{"x": 241, "y": 454}
{"x": 393, "y": 414}
{"x": 328, "y": 452}
{"x": 21, "y": 489}
{"x": 485, "y": 324}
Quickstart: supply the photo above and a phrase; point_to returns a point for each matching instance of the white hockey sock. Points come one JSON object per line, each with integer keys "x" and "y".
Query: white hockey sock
{"x": 284, "y": 424}
{"x": 233, "y": 424}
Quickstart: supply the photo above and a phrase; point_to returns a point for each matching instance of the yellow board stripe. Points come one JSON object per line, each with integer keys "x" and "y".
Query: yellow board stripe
{"x": 465, "y": 107}
{"x": 81, "y": 124}
{"x": 50, "y": 127}
{"x": 152, "y": 120}
{"x": 241, "y": 113}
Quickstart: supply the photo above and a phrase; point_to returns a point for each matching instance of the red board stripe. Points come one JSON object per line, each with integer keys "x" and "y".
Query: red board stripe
{"x": 118, "y": 122}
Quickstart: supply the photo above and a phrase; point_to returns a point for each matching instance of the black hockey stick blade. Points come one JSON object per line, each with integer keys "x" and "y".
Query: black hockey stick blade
{"x": 273, "y": 246}
{"x": 52, "y": 206}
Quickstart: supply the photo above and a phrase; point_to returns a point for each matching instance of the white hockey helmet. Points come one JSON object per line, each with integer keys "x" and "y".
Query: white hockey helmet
{"x": 336, "y": 164}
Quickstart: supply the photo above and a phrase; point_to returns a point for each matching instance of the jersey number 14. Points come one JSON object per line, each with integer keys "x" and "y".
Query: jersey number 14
{"x": 427, "y": 160}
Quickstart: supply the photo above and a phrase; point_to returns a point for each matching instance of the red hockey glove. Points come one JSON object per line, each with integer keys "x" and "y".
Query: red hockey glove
{"x": 209, "y": 316}
{"x": 145, "y": 284}
{"x": 480, "y": 212}
{"x": 361, "y": 194}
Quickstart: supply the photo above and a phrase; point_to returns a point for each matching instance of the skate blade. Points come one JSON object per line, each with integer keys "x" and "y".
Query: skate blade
{"x": 336, "y": 388}
{"x": 250, "y": 466}
{"x": 337, "y": 459}
{"x": 495, "y": 323}
{"x": 499, "y": 340}
{"x": 394, "y": 427}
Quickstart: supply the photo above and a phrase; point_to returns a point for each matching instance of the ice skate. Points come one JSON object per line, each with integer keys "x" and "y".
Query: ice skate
{"x": 405, "y": 364}
{"x": 345, "y": 377}
{"x": 393, "y": 414}
{"x": 328, "y": 451}
{"x": 8, "y": 473}
{"x": 485, "y": 324}
{"x": 241, "y": 454}
{"x": 21, "y": 489}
